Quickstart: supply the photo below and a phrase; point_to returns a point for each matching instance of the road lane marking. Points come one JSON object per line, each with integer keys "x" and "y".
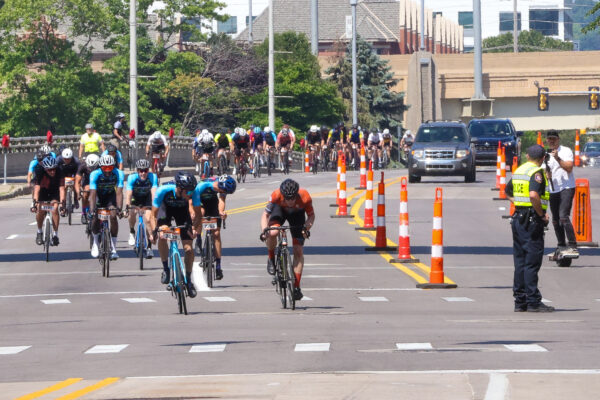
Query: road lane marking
{"x": 525, "y": 348}
{"x": 401, "y": 267}
{"x": 106, "y": 348}
{"x": 306, "y": 298}
{"x": 219, "y": 299}
{"x": 11, "y": 237}
{"x": 138, "y": 300}
{"x": 312, "y": 347}
{"x": 12, "y": 349}
{"x": 497, "y": 387}
{"x": 329, "y": 276}
{"x": 56, "y": 301}
{"x": 414, "y": 346}
{"x": 33, "y": 223}
{"x": 546, "y": 300}
{"x": 86, "y": 390}
{"x": 12, "y": 296}
{"x": 208, "y": 348}
{"x": 457, "y": 299}
{"x": 374, "y": 298}
{"x": 49, "y": 389}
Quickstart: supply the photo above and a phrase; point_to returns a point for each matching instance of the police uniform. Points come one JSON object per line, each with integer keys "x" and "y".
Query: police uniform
{"x": 528, "y": 234}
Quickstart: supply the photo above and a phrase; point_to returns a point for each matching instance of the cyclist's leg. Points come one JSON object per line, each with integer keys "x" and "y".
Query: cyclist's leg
{"x": 55, "y": 218}
{"x": 277, "y": 218}
{"x": 132, "y": 219}
{"x": 148, "y": 222}
{"x": 297, "y": 219}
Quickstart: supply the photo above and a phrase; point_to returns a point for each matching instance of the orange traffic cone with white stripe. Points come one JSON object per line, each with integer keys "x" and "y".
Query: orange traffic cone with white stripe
{"x": 403, "y": 237}
{"x": 515, "y": 165}
{"x": 343, "y": 207}
{"x": 502, "y": 177}
{"x": 436, "y": 275}
{"x": 498, "y": 162}
{"x": 381, "y": 236}
{"x": 539, "y": 139}
{"x": 368, "y": 222}
{"x": 306, "y": 162}
{"x": 363, "y": 169}
{"x": 339, "y": 171}
{"x": 577, "y": 158}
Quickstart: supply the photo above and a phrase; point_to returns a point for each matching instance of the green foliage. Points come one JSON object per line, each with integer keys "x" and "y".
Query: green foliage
{"x": 583, "y": 16}
{"x": 377, "y": 104}
{"x": 529, "y": 41}
{"x": 594, "y": 12}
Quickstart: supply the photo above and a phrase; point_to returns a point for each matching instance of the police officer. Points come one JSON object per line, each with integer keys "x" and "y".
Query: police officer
{"x": 528, "y": 190}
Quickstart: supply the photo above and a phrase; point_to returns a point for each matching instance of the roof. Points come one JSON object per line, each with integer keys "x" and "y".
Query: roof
{"x": 376, "y": 20}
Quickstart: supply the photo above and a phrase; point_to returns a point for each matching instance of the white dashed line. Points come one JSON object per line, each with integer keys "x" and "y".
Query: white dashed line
{"x": 497, "y": 387}
{"x": 373, "y": 298}
{"x": 12, "y": 349}
{"x": 33, "y": 223}
{"x": 312, "y": 347}
{"x": 546, "y": 301}
{"x": 306, "y": 298}
{"x": 524, "y": 348}
{"x": 414, "y": 346}
{"x": 56, "y": 301}
{"x": 11, "y": 237}
{"x": 453, "y": 299}
{"x": 217, "y": 299}
{"x": 208, "y": 348}
{"x": 106, "y": 348}
{"x": 138, "y": 300}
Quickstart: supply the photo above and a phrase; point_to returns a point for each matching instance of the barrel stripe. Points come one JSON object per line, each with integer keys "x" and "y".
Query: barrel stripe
{"x": 437, "y": 251}
{"x": 380, "y": 221}
{"x": 437, "y": 223}
{"x": 403, "y": 207}
{"x": 369, "y": 204}
{"x": 403, "y": 230}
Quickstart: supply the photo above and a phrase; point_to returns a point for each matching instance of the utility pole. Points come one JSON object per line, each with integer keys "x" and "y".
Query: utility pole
{"x": 515, "y": 28}
{"x": 314, "y": 27}
{"x": 354, "y": 112}
{"x": 250, "y": 39}
{"x": 478, "y": 78}
{"x": 271, "y": 69}
{"x": 133, "y": 100}
{"x": 422, "y": 27}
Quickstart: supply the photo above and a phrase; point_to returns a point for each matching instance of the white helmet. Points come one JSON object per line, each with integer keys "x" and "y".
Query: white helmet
{"x": 408, "y": 132}
{"x": 267, "y": 129}
{"x": 314, "y": 128}
{"x": 243, "y": 131}
{"x": 156, "y": 135}
{"x": 67, "y": 153}
{"x": 386, "y": 131}
{"x": 204, "y": 132}
{"x": 92, "y": 160}
{"x": 206, "y": 139}
{"x": 107, "y": 161}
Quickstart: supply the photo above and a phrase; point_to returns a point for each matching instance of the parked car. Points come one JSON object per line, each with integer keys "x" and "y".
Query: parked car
{"x": 590, "y": 156}
{"x": 442, "y": 149}
{"x": 487, "y": 133}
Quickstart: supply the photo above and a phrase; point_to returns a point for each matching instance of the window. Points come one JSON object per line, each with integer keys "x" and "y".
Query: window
{"x": 248, "y": 19}
{"x": 506, "y": 21}
{"x": 229, "y": 26}
{"x": 544, "y": 21}
{"x": 190, "y": 36}
{"x": 465, "y": 18}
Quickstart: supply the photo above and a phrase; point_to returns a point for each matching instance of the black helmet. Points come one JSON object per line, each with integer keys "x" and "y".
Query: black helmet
{"x": 324, "y": 128}
{"x": 185, "y": 180}
{"x": 340, "y": 124}
{"x": 354, "y": 126}
{"x": 40, "y": 156}
{"x": 111, "y": 148}
{"x": 289, "y": 189}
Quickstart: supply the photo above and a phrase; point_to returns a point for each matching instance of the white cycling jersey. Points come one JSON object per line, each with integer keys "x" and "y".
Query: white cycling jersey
{"x": 375, "y": 138}
{"x": 153, "y": 142}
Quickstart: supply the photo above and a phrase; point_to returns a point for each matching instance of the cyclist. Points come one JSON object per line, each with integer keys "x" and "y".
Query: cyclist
{"x": 82, "y": 183}
{"x": 355, "y": 138}
{"x": 111, "y": 150}
{"x": 285, "y": 142}
{"x": 106, "y": 191}
{"x": 313, "y": 143}
{"x": 241, "y": 142}
{"x": 69, "y": 165}
{"x": 290, "y": 203}
{"x": 224, "y": 145}
{"x": 270, "y": 141}
{"x": 49, "y": 186}
{"x": 406, "y": 142}
{"x": 257, "y": 138}
{"x": 90, "y": 142}
{"x": 204, "y": 144}
{"x": 387, "y": 142}
{"x": 141, "y": 189}
{"x": 118, "y": 128}
{"x": 212, "y": 196}
{"x": 375, "y": 144}
{"x": 158, "y": 144}
{"x": 337, "y": 139}
{"x": 173, "y": 201}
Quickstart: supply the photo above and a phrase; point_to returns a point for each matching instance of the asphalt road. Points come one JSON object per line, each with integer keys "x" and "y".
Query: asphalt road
{"x": 364, "y": 330}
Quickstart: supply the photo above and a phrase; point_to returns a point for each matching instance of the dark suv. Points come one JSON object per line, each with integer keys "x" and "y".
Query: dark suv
{"x": 441, "y": 149}
{"x": 487, "y": 133}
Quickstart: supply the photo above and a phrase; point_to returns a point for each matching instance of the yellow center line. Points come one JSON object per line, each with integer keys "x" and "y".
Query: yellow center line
{"x": 401, "y": 267}
{"x": 88, "y": 389}
{"x": 49, "y": 389}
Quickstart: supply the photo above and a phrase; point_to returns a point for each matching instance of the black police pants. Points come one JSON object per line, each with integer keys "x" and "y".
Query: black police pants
{"x": 560, "y": 205}
{"x": 528, "y": 251}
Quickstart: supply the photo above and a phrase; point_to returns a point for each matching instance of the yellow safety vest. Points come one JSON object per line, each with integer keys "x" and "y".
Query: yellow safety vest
{"x": 520, "y": 181}
{"x": 90, "y": 142}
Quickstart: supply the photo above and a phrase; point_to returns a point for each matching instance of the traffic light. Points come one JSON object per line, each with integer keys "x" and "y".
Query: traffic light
{"x": 543, "y": 103}
{"x": 593, "y": 104}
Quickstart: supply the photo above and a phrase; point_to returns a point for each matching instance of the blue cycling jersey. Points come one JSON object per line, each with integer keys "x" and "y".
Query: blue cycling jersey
{"x": 139, "y": 187}
{"x": 205, "y": 191}
{"x": 106, "y": 184}
{"x": 166, "y": 195}
{"x": 118, "y": 157}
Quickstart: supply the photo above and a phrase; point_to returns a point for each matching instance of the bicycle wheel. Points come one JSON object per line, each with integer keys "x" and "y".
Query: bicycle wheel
{"x": 206, "y": 169}
{"x": 47, "y": 233}
{"x": 286, "y": 164}
{"x": 207, "y": 261}
{"x": 269, "y": 164}
{"x": 141, "y": 244}
{"x": 315, "y": 164}
{"x": 69, "y": 203}
{"x": 222, "y": 165}
{"x": 283, "y": 276}
{"x": 107, "y": 250}
{"x": 290, "y": 278}
{"x": 238, "y": 171}
{"x": 179, "y": 284}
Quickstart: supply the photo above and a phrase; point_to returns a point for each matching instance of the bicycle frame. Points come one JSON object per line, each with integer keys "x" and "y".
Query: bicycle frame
{"x": 284, "y": 275}
{"x": 178, "y": 285}
{"x": 104, "y": 215}
{"x": 47, "y": 225}
{"x": 141, "y": 240}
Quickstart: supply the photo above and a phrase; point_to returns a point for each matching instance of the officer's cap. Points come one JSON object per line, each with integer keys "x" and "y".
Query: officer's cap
{"x": 536, "y": 152}
{"x": 552, "y": 133}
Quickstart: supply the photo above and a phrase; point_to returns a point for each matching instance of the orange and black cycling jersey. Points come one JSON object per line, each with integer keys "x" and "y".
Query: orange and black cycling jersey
{"x": 303, "y": 202}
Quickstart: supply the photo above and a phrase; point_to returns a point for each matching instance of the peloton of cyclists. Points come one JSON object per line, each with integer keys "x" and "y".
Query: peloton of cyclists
{"x": 141, "y": 189}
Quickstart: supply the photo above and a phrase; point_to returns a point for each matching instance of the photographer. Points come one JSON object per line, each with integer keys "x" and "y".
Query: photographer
{"x": 562, "y": 190}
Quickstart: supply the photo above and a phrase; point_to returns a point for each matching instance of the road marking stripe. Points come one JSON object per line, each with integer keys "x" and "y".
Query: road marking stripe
{"x": 138, "y": 300}
{"x": 56, "y": 301}
{"x": 374, "y": 298}
{"x": 524, "y": 348}
{"x": 11, "y": 237}
{"x": 86, "y": 390}
{"x": 497, "y": 387}
{"x": 106, "y": 348}
{"x": 49, "y": 389}
{"x": 414, "y": 346}
{"x": 457, "y": 299}
{"x": 306, "y": 298}
{"x": 219, "y": 299}
{"x": 312, "y": 347}
{"x": 401, "y": 267}
{"x": 12, "y": 349}
{"x": 208, "y": 348}
{"x": 33, "y": 223}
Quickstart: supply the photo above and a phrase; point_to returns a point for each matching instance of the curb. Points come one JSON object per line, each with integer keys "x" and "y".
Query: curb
{"x": 20, "y": 191}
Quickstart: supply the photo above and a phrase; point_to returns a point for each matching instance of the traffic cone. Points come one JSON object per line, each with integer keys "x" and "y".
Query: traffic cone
{"x": 363, "y": 169}
{"x": 577, "y": 158}
{"x": 539, "y": 139}
{"x": 339, "y": 171}
{"x": 368, "y": 222}
{"x": 498, "y": 162}
{"x": 502, "y": 177}
{"x": 403, "y": 237}
{"x": 381, "y": 236}
{"x": 582, "y": 214}
{"x": 512, "y": 206}
{"x": 436, "y": 276}
{"x": 306, "y": 162}
{"x": 343, "y": 207}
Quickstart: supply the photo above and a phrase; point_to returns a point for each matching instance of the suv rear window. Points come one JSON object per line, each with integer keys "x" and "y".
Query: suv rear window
{"x": 497, "y": 129}
{"x": 441, "y": 134}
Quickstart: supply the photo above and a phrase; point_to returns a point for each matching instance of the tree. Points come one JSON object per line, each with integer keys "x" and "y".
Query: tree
{"x": 377, "y": 104}
{"x": 582, "y": 16}
{"x": 595, "y": 24}
{"x": 528, "y": 41}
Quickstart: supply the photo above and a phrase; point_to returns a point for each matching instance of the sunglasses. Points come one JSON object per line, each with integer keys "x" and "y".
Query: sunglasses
{"x": 107, "y": 169}
{"x": 143, "y": 171}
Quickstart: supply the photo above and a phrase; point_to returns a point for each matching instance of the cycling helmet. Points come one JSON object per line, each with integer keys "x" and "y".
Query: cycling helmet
{"x": 314, "y": 128}
{"x": 142, "y": 164}
{"x": 92, "y": 160}
{"x": 289, "y": 189}
{"x": 185, "y": 180}
{"x": 204, "y": 132}
{"x": 267, "y": 129}
{"x": 324, "y": 128}
{"x": 227, "y": 183}
{"x": 120, "y": 115}
{"x": 107, "y": 161}
{"x": 67, "y": 153}
{"x": 408, "y": 132}
{"x": 39, "y": 156}
{"x": 207, "y": 139}
{"x": 111, "y": 148}
{"x": 340, "y": 124}
{"x": 354, "y": 126}
{"x": 45, "y": 149}
{"x": 89, "y": 126}
{"x": 386, "y": 131}
{"x": 257, "y": 129}
{"x": 243, "y": 132}
{"x": 49, "y": 163}
{"x": 156, "y": 135}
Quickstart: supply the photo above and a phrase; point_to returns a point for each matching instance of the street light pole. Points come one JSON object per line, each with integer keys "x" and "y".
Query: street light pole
{"x": 250, "y": 39}
{"x": 133, "y": 100}
{"x": 314, "y": 27}
{"x": 354, "y": 112}
{"x": 422, "y": 27}
{"x": 515, "y": 29}
{"x": 271, "y": 69}
{"x": 478, "y": 78}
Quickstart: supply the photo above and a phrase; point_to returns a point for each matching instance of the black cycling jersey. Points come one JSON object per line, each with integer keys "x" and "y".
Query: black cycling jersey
{"x": 313, "y": 138}
{"x": 70, "y": 169}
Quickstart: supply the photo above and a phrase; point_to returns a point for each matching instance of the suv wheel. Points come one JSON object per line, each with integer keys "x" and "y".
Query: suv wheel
{"x": 413, "y": 178}
{"x": 471, "y": 176}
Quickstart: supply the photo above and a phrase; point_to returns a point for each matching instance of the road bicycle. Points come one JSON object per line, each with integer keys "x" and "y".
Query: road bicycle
{"x": 46, "y": 226}
{"x": 242, "y": 169}
{"x": 105, "y": 250}
{"x": 269, "y": 160}
{"x": 156, "y": 163}
{"x": 141, "y": 237}
{"x": 285, "y": 161}
{"x": 205, "y": 167}
{"x": 256, "y": 164}
{"x": 385, "y": 157}
{"x": 131, "y": 156}
{"x": 284, "y": 273}
{"x": 178, "y": 284}
{"x": 69, "y": 186}
{"x": 324, "y": 158}
{"x": 209, "y": 226}
{"x": 222, "y": 165}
